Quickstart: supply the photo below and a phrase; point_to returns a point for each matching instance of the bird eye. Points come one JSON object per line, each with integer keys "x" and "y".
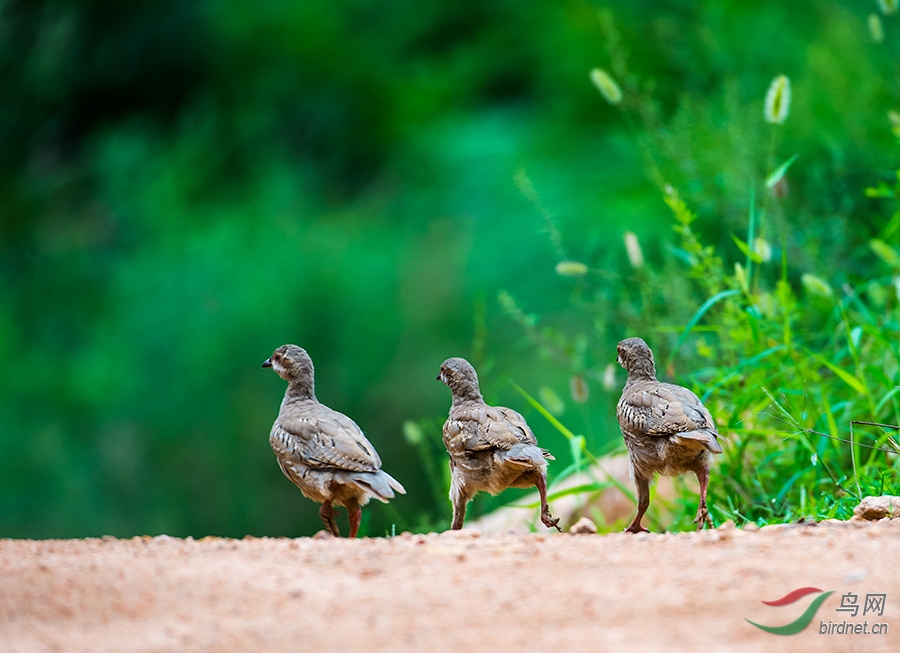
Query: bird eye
{"x": 277, "y": 357}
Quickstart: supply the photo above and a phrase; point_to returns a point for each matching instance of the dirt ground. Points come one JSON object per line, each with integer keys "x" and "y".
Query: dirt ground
{"x": 449, "y": 591}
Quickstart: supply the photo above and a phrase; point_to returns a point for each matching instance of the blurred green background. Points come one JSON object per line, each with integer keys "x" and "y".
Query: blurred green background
{"x": 187, "y": 184}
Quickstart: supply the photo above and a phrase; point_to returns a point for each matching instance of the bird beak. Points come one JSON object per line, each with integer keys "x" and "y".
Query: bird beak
{"x": 267, "y": 363}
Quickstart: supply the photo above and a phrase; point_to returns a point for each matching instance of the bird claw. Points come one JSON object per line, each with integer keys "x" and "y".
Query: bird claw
{"x": 636, "y": 528}
{"x": 702, "y": 519}
{"x": 548, "y": 520}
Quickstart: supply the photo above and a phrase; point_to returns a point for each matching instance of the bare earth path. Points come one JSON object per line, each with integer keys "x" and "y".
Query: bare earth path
{"x": 449, "y": 592}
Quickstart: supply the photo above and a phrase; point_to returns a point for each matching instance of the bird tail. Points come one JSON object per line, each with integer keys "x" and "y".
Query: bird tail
{"x": 709, "y": 439}
{"x": 527, "y": 454}
{"x": 381, "y": 484}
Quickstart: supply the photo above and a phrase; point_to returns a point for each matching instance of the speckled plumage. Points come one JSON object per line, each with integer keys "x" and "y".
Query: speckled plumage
{"x": 491, "y": 448}
{"x": 323, "y": 452}
{"x": 666, "y": 427}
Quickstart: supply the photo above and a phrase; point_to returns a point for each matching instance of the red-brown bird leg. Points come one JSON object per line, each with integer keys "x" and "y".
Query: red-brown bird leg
{"x": 326, "y": 512}
{"x": 546, "y": 517}
{"x": 355, "y": 514}
{"x": 702, "y": 517}
{"x": 643, "y": 492}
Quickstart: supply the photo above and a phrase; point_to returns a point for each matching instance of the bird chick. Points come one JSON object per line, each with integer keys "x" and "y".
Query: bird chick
{"x": 667, "y": 429}
{"x": 491, "y": 448}
{"x": 323, "y": 452}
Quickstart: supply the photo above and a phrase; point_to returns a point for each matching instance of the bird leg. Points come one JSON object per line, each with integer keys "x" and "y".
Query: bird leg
{"x": 355, "y": 514}
{"x": 326, "y": 512}
{"x": 702, "y": 518}
{"x": 459, "y": 512}
{"x": 459, "y": 497}
{"x": 643, "y": 492}
{"x": 546, "y": 517}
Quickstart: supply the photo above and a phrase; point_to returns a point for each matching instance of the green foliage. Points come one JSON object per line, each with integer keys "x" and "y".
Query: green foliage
{"x": 789, "y": 346}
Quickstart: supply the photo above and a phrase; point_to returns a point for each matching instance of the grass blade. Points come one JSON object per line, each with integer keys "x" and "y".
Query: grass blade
{"x": 708, "y": 304}
{"x": 543, "y": 411}
{"x": 779, "y": 172}
{"x": 845, "y": 376}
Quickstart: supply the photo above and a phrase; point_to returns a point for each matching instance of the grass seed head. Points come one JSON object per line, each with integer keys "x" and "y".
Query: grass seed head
{"x": 578, "y": 387}
{"x": 609, "y": 377}
{"x": 816, "y": 285}
{"x": 888, "y": 7}
{"x": 633, "y": 249}
{"x": 876, "y": 30}
{"x": 606, "y": 85}
{"x": 778, "y": 100}
{"x": 571, "y": 269}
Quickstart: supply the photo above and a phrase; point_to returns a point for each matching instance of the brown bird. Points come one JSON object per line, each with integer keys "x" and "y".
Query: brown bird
{"x": 491, "y": 448}
{"x": 323, "y": 452}
{"x": 666, "y": 428}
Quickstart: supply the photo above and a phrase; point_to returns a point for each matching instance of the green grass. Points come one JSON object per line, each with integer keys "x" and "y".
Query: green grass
{"x": 802, "y": 380}
{"x": 785, "y": 321}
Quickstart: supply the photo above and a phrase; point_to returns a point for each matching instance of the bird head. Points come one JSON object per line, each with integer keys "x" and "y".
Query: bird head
{"x": 459, "y": 375}
{"x": 291, "y": 363}
{"x": 636, "y": 357}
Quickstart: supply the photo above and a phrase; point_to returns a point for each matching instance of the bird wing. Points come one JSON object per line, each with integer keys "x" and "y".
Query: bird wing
{"x": 517, "y": 426}
{"x": 693, "y": 408}
{"x": 480, "y": 428}
{"x": 326, "y": 439}
{"x": 663, "y": 409}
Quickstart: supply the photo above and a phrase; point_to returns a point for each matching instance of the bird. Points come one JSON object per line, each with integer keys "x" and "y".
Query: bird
{"x": 323, "y": 452}
{"x": 667, "y": 429}
{"x": 491, "y": 448}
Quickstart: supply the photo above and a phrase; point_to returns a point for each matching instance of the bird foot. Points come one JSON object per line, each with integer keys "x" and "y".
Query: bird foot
{"x": 326, "y": 512}
{"x": 548, "y": 520}
{"x": 636, "y": 527}
{"x": 702, "y": 519}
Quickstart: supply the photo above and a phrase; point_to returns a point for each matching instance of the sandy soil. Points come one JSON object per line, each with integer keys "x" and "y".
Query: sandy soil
{"x": 448, "y": 592}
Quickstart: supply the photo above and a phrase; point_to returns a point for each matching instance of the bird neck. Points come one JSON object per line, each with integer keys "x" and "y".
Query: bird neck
{"x": 643, "y": 371}
{"x": 298, "y": 390}
{"x": 466, "y": 394}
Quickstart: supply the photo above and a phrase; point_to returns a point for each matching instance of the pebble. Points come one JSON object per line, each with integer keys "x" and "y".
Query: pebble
{"x": 583, "y": 526}
{"x": 873, "y": 508}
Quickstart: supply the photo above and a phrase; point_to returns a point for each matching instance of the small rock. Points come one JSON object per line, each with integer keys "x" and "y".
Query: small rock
{"x": 873, "y": 508}
{"x": 750, "y": 526}
{"x": 727, "y": 525}
{"x": 856, "y": 576}
{"x": 322, "y": 535}
{"x": 583, "y": 526}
